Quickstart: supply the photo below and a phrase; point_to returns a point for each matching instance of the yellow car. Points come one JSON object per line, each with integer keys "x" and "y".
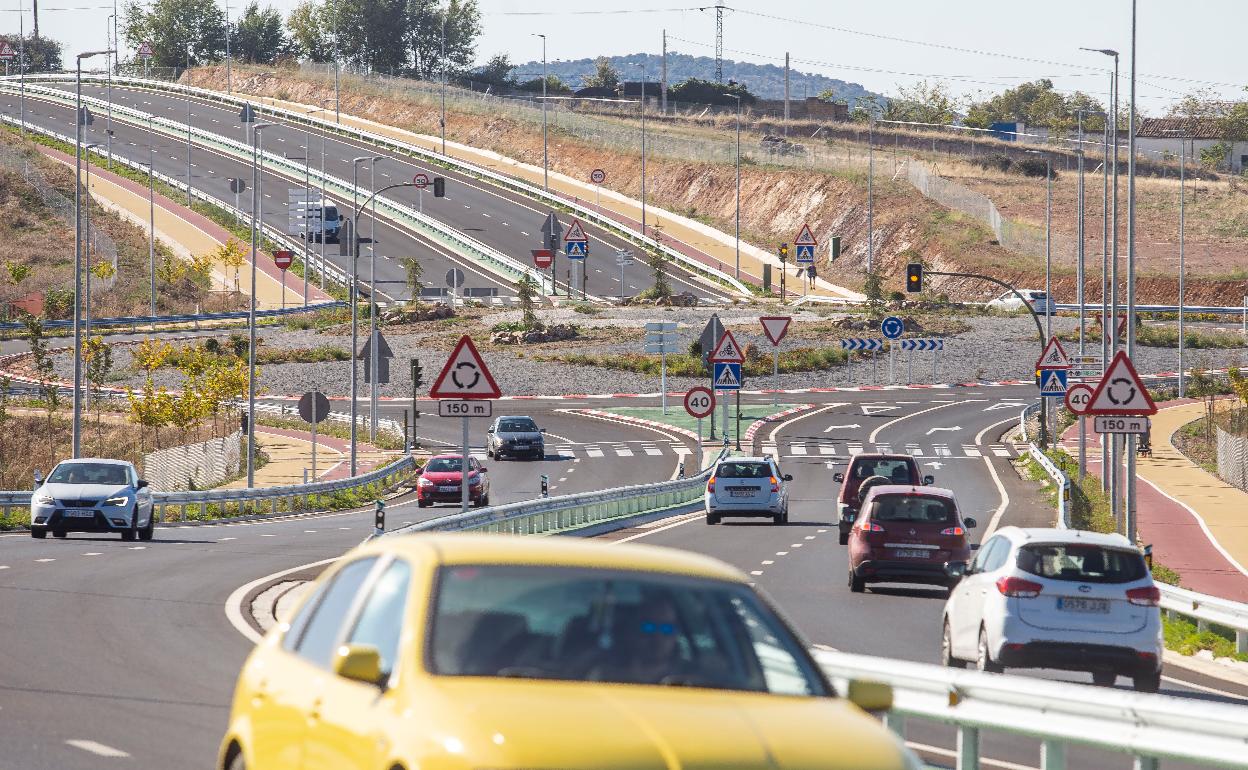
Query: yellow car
{"x": 467, "y": 651}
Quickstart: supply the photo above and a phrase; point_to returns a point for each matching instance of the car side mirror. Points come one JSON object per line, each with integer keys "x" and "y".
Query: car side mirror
{"x": 787, "y": 477}
{"x": 142, "y": 483}
{"x": 490, "y": 429}
{"x": 956, "y": 570}
{"x": 974, "y": 547}
{"x": 541, "y": 430}
{"x": 359, "y": 663}
{"x": 970, "y": 522}
{"x": 870, "y": 696}
{"x": 838, "y": 478}
{"x": 482, "y": 469}
{"x": 38, "y": 477}
{"x": 929, "y": 480}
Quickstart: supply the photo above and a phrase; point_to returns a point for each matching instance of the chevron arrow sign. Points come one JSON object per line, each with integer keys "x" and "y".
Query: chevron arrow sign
{"x": 861, "y": 343}
{"x": 922, "y": 344}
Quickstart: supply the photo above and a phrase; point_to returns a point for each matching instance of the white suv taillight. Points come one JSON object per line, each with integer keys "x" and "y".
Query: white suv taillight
{"x": 1149, "y": 596}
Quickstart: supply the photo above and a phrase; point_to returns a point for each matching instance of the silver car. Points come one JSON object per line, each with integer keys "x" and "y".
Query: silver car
{"x": 92, "y": 496}
{"x": 747, "y": 486}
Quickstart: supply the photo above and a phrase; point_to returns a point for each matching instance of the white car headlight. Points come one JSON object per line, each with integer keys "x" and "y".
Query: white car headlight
{"x": 43, "y": 498}
{"x": 117, "y": 501}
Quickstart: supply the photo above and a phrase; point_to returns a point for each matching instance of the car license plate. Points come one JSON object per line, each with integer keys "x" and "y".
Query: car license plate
{"x": 1079, "y": 604}
{"x": 79, "y": 513}
{"x": 741, "y": 492}
{"x": 448, "y": 489}
{"x": 909, "y": 553}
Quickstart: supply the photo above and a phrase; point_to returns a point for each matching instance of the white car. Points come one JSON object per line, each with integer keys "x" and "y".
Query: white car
{"x": 92, "y": 496}
{"x": 1037, "y": 299}
{"x": 1057, "y": 598}
{"x": 747, "y": 486}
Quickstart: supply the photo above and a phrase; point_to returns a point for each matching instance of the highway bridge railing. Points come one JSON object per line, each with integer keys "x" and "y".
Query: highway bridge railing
{"x": 1202, "y": 609}
{"x": 1146, "y": 727}
{"x": 195, "y": 505}
{"x": 720, "y": 270}
{"x": 547, "y": 515}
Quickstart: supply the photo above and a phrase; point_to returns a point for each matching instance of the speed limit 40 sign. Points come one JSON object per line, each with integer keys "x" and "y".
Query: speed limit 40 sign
{"x": 699, "y": 402}
{"x": 1078, "y": 397}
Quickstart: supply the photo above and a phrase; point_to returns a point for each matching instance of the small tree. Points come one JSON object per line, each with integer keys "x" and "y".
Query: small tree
{"x": 414, "y": 271}
{"x": 657, "y": 260}
{"x": 170, "y": 269}
{"x": 604, "y": 75}
{"x": 45, "y": 373}
{"x": 151, "y": 408}
{"x": 103, "y": 270}
{"x": 150, "y": 354}
{"x": 1213, "y": 156}
{"x": 873, "y": 289}
{"x": 232, "y": 255}
{"x": 98, "y": 358}
{"x": 526, "y": 292}
{"x": 5, "y": 382}
{"x": 1203, "y": 386}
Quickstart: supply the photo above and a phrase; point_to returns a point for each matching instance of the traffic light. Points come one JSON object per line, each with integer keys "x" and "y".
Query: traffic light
{"x": 439, "y": 187}
{"x": 784, "y": 252}
{"x": 418, "y": 374}
{"x": 914, "y": 277}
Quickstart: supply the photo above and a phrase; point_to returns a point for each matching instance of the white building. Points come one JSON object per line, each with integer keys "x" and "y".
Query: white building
{"x": 1176, "y": 135}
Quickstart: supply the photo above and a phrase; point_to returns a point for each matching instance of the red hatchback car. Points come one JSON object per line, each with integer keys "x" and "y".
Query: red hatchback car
{"x": 440, "y": 480}
{"x": 908, "y": 534}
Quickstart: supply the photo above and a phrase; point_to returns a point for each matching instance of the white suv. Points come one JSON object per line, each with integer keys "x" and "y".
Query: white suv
{"x": 1057, "y": 598}
{"x": 747, "y": 486}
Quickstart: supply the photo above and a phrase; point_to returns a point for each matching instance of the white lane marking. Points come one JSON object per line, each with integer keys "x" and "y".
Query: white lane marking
{"x": 821, "y": 531}
{"x": 624, "y": 451}
{"x": 896, "y": 420}
{"x": 137, "y": 548}
{"x": 1202, "y": 687}
{"x": 1203, "y": 526}
{"x": 43, "y": 561}
{"x": 652, "y": 450}
{"x": 4, "y": 566}
{"x": 524, "y": 233}
{"x": 971, "y": 451}
{"x": 1000, "y": 451}
{"x": 679, "y": 522}
{"x": 594, "y": 452}
{"x": 756, "y": 572}
{"x": 1005, "y": 502}
{"x": 797, "y": 449}
{"x": 808, "y": 537}
{"x": 308, "y": 531}
{"x": 766, "y": 562}
{"x": 234, "y": 604}
{"x": 796, "y": 545}
{"x": 98, "y": 749}
{"x": 223, "y": 539}
{"x": 771, "y": 439}
{"x": 268, "y": 536}
{"x": 92, "y": 553}
{"x": 979, "y": 437}
{"x": 782, "y": 553}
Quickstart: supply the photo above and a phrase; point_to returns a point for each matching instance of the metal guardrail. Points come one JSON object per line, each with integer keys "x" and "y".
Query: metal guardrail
{"x": 1146, "y": 727}
{"x": 1213, "y": 309}
{"x": 293, "y": 498}
{"x": 480, "y": 172}
{"x": 546, "y": 515}
{"x": 148, "y": 320}
{"x": 451, "y": 239}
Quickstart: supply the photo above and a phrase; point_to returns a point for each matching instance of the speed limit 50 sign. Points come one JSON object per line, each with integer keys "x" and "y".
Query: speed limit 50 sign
{"x": 699, "y": 402}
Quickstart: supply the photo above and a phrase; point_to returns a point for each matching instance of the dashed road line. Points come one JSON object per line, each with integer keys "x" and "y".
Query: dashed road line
{"x": 98, "y": 749}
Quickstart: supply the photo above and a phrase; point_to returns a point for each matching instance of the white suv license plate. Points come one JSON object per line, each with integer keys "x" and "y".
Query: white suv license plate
{"x": 79, "y": 513}
{"x": 1079, "y": 604}
{"x": 744, "y": 492}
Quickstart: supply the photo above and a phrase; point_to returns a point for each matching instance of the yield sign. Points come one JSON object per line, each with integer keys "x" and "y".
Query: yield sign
{"x": 805, "y": 237}
{"x": 1054, "y": 356}
{"x": 465, "y": 374}
{"x": 1121, "y": 392}
{"x": 727, "y": 351}
{"x": 775, "y": 327}
{"x": 576, "y": 233}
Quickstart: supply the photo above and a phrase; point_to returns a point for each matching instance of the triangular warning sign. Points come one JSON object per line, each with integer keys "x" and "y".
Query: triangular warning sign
{"x": 6, "y": 50}
{"x": 775, "y": 327}
{"x": 727, "y": 350}
{"x": 727, "y": 378}
{"x": 1121, "y": 392}
{"x": 145, "y": 49}
{"x": 465, "y": 375}
{"x": 805, "y": 237}
{"x": 1052, "y": 383}
{"x": 1054, "y": 356}
{"x": 575, "y": 232}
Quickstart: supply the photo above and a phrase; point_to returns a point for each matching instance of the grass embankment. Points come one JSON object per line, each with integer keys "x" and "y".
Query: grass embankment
{"x": 1168, "y": 337}
{"x": 685, "y": 365}
{"x": 236, "y": 347}
{"x": 385, "y": 439}
{"x": 1185, "y": 638}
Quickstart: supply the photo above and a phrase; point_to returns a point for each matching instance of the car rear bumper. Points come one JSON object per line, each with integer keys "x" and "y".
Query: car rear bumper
{"x": 750, "y": 508}
{"x": 1075, "y": 656}
{"x": 907, "y": 571}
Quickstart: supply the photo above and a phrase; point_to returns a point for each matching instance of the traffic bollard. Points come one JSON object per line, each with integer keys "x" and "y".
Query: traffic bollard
{"x": 680, "y": 470}
{"x": 545, "y": 485}
{"x": 379, "y": 518}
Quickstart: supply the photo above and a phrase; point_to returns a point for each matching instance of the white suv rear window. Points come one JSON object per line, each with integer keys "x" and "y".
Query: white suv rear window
{"x": 1082, "y": 563}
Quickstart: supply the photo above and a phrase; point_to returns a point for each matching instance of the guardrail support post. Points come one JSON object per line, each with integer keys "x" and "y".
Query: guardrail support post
{"x": 1146, "y": 763}
{"x": 1241, "y": 641}
{"x": 1052, "y": 756}
{"x": 968, "y": 748}
{"x": 896, "y": 723}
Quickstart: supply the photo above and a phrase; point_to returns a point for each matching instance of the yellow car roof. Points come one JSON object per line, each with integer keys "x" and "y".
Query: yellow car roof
{"x": 473, "y": 548}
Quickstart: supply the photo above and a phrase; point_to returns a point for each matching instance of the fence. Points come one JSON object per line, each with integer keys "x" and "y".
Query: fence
{"x": 201, "y": 465}
{"x": 1233, "y": 459}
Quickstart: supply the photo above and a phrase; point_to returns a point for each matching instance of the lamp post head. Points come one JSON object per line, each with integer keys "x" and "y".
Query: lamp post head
{"x": 89, "y": 54}
{"x": 1106, "y": 51}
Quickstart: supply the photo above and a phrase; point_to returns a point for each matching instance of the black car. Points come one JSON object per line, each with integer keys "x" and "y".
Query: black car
{"x": 515, "y": 436}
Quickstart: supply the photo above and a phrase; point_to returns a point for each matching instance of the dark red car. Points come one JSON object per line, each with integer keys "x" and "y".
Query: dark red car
{"x": 908, "y": 534}
{"x": 440, "y": 480}
{"x": 881, "y": 469}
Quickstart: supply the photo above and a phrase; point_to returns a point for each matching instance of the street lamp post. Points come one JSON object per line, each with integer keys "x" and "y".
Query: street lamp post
{"x": 109, "y": 124}
{"x": 374, "y": 390}
{"x": 257, "y": 209}
{"x": 188, "y": 126}
{"x": 443, "y": 121}
{"x": 871, "y": 195}
{"x": 355, "y": 258}
{"x": 151, "y": 208}
{"x": 76, "y": 430}
{"x": 86, "y": 247}
{"x": 737, "y": 275}
{"x": 545, "y": 156}
{"x": 1132, "y": 438}
{"x": 642, "y": 107}
{"x": 307, "y": 194}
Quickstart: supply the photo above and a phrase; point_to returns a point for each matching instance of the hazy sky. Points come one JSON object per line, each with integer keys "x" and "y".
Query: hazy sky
{"x": 973, "y": 45}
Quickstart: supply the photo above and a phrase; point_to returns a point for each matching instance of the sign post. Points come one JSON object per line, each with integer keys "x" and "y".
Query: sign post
{"x": 711, "y": 333}
{"x": 283, "y": 259}
{"x": 313, "y": 407}
{"x": 699, "y": 402}
{"x": 775, "y": 327}
{"x": 551, "y": 230}
{"x": 1078, "y": 397}
{"x": 465, "y": 377}
{"x": 805, "y": 244}
{"x": 598, "y": 176}
{"x": 623, "y": 258}
{"x": 1053, "y": 359}
{"x": 661, "y": 339}
{"x": 576, "y": 246}
{"x": 892, "y": 328}
{"x": 420, "y": 182}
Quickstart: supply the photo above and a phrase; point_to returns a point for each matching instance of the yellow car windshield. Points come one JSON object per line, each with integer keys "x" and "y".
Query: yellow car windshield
{"x": 598, "y": 625}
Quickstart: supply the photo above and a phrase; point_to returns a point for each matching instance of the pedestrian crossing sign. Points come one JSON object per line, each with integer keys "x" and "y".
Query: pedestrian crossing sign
{"x": 576, "y": 249}
{"x": 1053, "y": 382}
{"x": 727, "y": 376}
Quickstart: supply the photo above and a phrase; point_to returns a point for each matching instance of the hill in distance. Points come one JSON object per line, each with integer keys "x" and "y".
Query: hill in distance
{"x": 765, "y": 81}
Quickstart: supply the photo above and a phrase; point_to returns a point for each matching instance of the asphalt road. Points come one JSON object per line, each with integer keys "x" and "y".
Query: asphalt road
{"x": 126, "y": 646}
{"x": 504, "y": 220}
